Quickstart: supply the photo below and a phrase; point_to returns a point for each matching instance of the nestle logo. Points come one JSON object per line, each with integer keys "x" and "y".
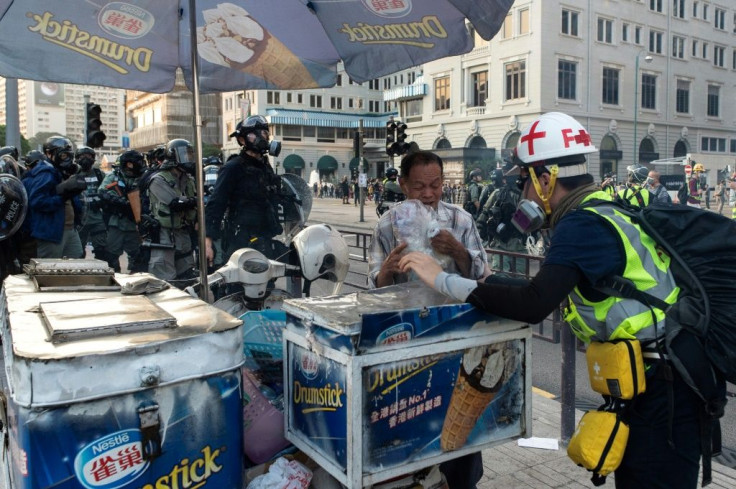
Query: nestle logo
{"x": 125, "y": 20}
{"x": 109, "y": 443}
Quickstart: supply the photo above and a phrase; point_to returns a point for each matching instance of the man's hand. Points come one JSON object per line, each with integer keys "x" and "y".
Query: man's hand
{"x": 446, "y": 244}
{"x": 390, "y": 267}
{"x": 423, "y": 265}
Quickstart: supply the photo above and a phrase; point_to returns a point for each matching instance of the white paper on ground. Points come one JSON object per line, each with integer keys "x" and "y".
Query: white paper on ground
{"x": 536, "y": 442}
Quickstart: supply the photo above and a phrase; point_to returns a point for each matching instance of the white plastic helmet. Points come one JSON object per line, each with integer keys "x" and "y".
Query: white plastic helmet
{"x": 322, "y": 253}
{"x": 553, "y": 135}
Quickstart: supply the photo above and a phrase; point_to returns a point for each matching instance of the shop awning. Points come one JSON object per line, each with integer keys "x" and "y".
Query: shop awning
{"x": 325, "y": 119}
{"x": 327, "y": 162}
{"x": 293, "y": 161}
{"x": 355, "y": 161}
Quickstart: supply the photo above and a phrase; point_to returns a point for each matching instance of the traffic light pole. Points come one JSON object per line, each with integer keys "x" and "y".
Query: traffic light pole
{"x": 360, "y": 164}
{"x": 86, "y": 118}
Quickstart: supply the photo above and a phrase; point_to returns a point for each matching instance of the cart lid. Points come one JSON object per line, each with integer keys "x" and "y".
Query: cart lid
{"x": 344, "y": 313}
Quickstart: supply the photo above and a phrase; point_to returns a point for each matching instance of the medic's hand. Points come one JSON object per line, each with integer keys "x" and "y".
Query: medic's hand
{"x": 423, "y": 265}
{"x": 446, "y": 244}
{"x": 390, "y": 266}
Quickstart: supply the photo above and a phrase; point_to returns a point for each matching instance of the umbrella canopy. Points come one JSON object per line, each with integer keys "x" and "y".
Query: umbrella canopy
{"x": 224, "y": 45}
{"x": 241, "y": 44}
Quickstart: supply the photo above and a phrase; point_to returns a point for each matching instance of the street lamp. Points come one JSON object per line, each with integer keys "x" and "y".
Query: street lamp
{"x": 648, "y": 59}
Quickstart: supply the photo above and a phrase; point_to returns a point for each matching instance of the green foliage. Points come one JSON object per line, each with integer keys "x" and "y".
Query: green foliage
{"x": 25, "y": 145}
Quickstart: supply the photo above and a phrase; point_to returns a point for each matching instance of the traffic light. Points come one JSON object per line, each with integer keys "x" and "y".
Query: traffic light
{"x": 93, "y": 135}
{"x": 357, "y": 143}
{"x": 391, "y": 146}
{"x": 403, "y": 146}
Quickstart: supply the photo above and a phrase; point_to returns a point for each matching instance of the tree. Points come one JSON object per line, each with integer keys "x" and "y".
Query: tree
{"x": 25, "y": 146}
{"x": 209, "y": 149}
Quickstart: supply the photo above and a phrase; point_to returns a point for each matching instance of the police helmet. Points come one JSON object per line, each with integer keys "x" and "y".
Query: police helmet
{"x": 179, "y": 153}
{"x": 9, "y": 166}
{"x": 255, "y": 125}
{"x": 212, "y": 160}
{"x": 497, "y": 177}
{"x": 156, "y": 155}
{"x": 9, "y": 150}
{"x": 637, "y": 173}
{"x": 57, "y": 144}
{"x": 33, "y": 157}
{"x": 131, "y": 163}
{"x": 392, "y": 173}
{"x": 85, "y": 157}
{"x": 475, "y": 173}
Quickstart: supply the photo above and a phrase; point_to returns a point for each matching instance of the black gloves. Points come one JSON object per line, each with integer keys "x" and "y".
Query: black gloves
{"x": 181, "y": 204}
{"x": 71, "y": 186}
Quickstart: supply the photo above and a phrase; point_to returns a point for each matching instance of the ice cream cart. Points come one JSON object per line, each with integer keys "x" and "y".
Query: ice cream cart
{"x": 110, "y": 390}
{"x": 386, "y": 382}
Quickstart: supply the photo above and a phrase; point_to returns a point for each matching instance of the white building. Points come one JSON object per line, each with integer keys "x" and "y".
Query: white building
{"x": 46, "y": 107}
{"x": 316, "y": 126}
{"x": 591, "y": 60}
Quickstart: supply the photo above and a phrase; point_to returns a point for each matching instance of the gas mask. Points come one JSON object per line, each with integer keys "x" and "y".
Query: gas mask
{"x": 85, "y": 163}
{"x": 261, "y": 145}
{"x": 64, "y": 161}
{"x": 529, "y": 217}
{"x": 189, "y": 167}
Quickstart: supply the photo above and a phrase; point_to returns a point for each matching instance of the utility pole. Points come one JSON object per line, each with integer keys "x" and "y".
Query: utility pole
{"x": 360, "y": 169}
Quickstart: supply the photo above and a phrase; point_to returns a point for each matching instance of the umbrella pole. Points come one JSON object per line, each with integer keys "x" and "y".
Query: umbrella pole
{"x": 199, "y": 176}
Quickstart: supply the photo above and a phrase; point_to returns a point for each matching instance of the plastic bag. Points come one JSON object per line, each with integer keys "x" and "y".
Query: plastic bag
{"x": 416, "y": 224}
{"x": 283, "y": 474}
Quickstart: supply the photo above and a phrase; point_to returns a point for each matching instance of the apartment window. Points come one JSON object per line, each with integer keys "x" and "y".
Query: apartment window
{"x": 515, "y": 80}
{"x": 336, "y": 103}
{"x": 524, "y": 21}
{"x": 717, "y": 145}
{"x": 655, "y": 42}
{"x": 442, "y": 93}
{"x": 299, "y": 98}
{"x": 625, "y": 33}
{"x": 733, "y": 60}
{"x": 291, "y": 133}
{"x": 695, "y": 10}
{"x": 273, "y": 97}
{"x": 705, "y": 11}
{"x": 655, "y": 5}
{"x": 694, "y": 53}
{"x": 339, "y": 81}
{"x": 719, "y": 54}
{"x": 480, "y": 88}
{"x": 705, "y": 51}
{"x": 507, "y": 26}
{"x": 351, "y": 103}
{"x": 678, "y": 47}
{"x": 308, "y": 131}
{"x": 315, "y": 101}
{"x": 682, "y": 97}
{"x": 713, "y": 100}
{"x": 648, "y": 91}
{"x": 605, "y": 30}
{"x": 733, "y": 146}
{"x": 569, "y": 22}
{"x": 288, "y": 97}
{"x": 325, "y": 134}
{"x": 610, "y": 85}
{"x": 637, "y": 35}
{"x": 720, "y": 19}
{"x": 566, "y": 80}
{"x": 678, "y": 8}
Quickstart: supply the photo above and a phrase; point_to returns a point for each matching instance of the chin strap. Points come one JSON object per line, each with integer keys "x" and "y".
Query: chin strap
{"x": 553, "y": 170}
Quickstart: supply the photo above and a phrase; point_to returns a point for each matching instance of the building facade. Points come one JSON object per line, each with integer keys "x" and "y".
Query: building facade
{"x": 649, "y": 79}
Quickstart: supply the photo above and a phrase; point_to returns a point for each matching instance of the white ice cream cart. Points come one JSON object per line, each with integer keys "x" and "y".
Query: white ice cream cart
{"x": 385, "y": 382}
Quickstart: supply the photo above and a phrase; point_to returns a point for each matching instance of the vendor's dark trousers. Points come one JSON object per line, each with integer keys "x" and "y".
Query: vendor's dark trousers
{"x": 463, "y": 472}
{"x": 649, "y": 461}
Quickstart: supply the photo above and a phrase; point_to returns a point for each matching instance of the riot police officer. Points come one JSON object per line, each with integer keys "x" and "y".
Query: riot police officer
{"x": 118, "y": 193}
{"x": 171, "y": 193}
{"x": 93, "y": 226}
{"x": 249, "y": 190}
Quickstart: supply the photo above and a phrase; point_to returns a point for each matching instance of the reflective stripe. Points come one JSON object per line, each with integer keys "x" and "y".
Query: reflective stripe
{"x": 647, "y": 266}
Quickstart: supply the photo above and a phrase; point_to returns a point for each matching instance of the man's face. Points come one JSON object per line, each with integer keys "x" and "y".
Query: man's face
{"x": 424, "y": 183}
{"x": 651, "y": 179}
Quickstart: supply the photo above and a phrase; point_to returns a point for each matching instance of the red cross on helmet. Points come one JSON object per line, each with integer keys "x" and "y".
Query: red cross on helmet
{"x": 553, "y": 135}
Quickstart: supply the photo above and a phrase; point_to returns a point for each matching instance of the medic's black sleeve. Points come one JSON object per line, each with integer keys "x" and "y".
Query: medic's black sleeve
{"x": 531, "y": 302}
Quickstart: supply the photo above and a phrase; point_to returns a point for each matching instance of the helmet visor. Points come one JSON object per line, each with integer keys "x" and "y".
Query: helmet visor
{"x": 184, "y": 154}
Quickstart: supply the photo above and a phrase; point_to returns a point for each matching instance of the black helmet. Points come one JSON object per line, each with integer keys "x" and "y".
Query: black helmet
{"x": 249, "y": 125}
{"x": 131, "y": 163}
{"x": 156, "y": 155}
{"x": 213, "y": 160}
{"x": 497, "y": 177}
{"x": 13, "y": 205}
{"x": 61, "y": 153}
{"x": 637, "y": 173}
{"x": 256, "y": 124}
{"x": 210, "y": 178}
{"x": 85, "y": 157}
{"x": 179, "y": 152}
{"x": 9, "y": 166}
{"x": 33, "y": 157}
{"x": 476, "y": 173}
{"x": 9, "y": 150}
{"x": 392, "y": 173}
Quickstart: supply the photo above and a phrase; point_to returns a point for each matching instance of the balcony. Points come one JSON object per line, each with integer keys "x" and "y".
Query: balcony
{"x": 478, "y": 110}
{"x": 417, "y": 90}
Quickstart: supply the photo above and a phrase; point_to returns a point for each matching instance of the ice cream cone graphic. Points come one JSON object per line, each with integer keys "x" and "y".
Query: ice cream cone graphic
{"x": 483, "y": 371}
{"x": 232, "y": 38}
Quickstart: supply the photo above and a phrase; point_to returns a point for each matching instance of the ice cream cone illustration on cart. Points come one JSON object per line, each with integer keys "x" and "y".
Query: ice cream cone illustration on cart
{"x": 232, "y": 38}
{"x": 483, "y": 371}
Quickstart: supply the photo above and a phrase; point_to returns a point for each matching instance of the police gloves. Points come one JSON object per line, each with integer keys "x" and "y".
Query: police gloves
{"x": 181, "y": 204}
{"x": 71, "y": 186}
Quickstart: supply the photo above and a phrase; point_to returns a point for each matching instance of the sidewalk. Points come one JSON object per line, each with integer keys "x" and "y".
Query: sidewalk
{"x": 507, "y": 466}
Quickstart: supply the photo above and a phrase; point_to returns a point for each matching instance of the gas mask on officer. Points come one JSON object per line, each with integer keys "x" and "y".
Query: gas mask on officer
{"x": 64, "y": 161}
{"x": 258, "y": 141}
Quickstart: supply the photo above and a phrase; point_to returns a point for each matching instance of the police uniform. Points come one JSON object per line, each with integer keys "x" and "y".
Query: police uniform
{"x": 165, "y": 187}
{"x": 93, "y": 225}
{"x": 122, "y": 233}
